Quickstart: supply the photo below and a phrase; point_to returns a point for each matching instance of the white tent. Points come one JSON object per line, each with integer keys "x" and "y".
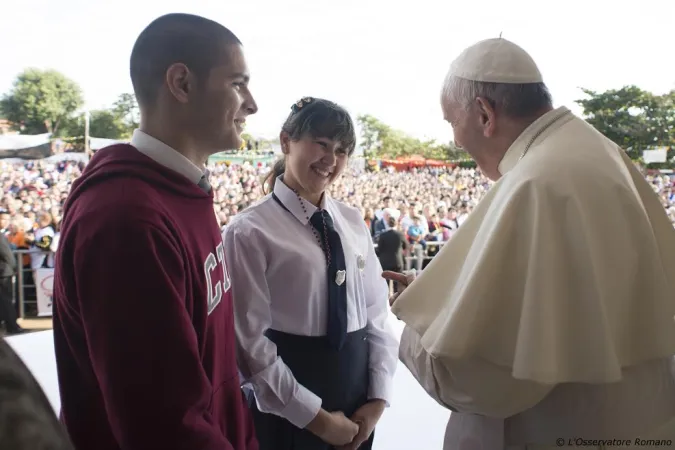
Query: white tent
{"x": 25, "y": 146}
{"x": 99, "y": 143}
{"x": 21, "y": 141}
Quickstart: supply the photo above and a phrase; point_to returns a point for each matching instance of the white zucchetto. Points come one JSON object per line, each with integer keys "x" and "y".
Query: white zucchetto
{"x": 496, "y": 61}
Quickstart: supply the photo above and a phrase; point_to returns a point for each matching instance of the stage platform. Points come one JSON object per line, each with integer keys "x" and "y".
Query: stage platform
{"x": 414, "y": 420}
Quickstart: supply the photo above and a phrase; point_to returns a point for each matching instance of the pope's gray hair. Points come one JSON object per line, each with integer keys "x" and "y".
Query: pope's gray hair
{"x": 513, "y": 100}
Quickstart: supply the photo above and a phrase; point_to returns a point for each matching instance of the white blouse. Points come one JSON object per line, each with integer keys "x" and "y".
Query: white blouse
{"x": 278, "y": 272}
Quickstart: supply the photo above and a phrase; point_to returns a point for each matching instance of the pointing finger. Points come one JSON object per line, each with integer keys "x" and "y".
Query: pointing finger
{"x": 395, "y": 276}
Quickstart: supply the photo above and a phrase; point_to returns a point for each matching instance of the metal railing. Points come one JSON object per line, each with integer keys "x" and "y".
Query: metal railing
{"x": 20, "y": 286}
{"x": 417, "y": 255}
{"x": 421, "y": 254}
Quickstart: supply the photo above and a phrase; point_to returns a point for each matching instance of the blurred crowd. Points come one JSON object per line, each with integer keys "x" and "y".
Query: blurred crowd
{"x": 423, "y": 205}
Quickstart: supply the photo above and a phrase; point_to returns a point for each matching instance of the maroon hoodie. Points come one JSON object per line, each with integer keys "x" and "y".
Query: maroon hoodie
{"x": 143, "y": 324}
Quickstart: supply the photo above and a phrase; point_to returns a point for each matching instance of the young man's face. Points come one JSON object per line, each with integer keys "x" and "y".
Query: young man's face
{"x": 224, "y": 102}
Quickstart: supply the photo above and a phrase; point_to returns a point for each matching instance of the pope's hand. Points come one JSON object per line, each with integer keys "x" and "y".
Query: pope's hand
{"x": 402, "y": 280}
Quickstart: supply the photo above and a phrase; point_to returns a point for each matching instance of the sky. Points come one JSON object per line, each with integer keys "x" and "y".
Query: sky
{"x": 387, "y": 58}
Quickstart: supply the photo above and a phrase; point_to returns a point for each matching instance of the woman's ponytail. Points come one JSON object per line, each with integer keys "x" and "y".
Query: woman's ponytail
{"x": 278, "y": 169}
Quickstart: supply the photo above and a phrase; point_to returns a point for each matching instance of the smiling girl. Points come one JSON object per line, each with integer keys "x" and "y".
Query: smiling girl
{"x": 310, "y": 303}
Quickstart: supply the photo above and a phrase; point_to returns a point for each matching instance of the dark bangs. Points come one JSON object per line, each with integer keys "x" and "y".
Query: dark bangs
{"x": 321, "y": 118}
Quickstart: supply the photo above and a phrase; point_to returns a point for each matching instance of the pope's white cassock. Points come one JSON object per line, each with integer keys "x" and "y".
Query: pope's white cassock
{"x": 549, "y": 317}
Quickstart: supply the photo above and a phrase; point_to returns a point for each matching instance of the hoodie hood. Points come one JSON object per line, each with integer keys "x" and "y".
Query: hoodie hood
{"x": 126, "y": 161}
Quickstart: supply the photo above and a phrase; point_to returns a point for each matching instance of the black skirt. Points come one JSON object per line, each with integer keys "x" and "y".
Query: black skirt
{"x": 339, "y": 377}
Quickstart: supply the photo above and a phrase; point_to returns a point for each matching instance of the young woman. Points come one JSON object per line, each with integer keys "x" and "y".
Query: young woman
{"x": 310, "y": 304}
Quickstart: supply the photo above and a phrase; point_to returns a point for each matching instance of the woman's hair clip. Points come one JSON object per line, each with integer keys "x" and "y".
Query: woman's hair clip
{"x": 297, "y": 106}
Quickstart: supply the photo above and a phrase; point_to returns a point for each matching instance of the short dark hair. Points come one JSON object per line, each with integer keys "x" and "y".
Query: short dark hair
{"x": 317, "y": 118}
{"x": 192, "y": 40}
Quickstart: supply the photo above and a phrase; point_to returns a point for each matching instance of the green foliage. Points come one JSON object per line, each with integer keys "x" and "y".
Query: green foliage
{"x": 41, "y": 100}
{"x": 457, "y": 154}
{"x": 72, "y": 126}
{"x": 467, "y": 164}
{"x": 263, "y": 144}
{"x": 635, "y": 119}
{"x": 379, "y": 140}
{"x": 373, "y": 132}
{"x": 108, "y": 123}
{"x": 126, "y": 110}
{"x": 117, "y": 122}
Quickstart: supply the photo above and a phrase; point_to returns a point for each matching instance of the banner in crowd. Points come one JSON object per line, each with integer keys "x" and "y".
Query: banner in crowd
{"x": 44, "y": 285}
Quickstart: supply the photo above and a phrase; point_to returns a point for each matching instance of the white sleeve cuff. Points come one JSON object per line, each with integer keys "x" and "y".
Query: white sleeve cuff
{"x": 303, "y": 407}
{"x": 380, "y": 387}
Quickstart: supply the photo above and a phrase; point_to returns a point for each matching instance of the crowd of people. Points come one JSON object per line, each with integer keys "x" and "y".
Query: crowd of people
{"x": 427, "y": 204}
{"x": 422, "y": 207}
{"x": 270, "y": 324}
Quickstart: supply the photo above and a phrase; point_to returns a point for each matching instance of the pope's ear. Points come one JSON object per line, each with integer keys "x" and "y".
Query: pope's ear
{"x": 486, "y": 115}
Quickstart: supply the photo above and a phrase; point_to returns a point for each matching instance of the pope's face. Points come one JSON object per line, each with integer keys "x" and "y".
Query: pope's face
{"x": 469, "y": 135}
{"x": 459, "y": 119}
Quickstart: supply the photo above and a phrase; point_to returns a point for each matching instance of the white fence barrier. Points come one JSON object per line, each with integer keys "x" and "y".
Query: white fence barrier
{"x": 44, "y": 286}
{"x": 43, "y": 279}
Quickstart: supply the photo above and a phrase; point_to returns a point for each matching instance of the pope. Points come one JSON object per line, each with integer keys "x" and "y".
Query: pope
{"x": 548, "y": 318}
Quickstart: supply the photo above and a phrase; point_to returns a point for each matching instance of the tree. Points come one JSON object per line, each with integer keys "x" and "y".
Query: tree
{"x": 246, "y": 138}
{"x": 456, "y": 153}
{"x": 117, "y": 122}
{"x": 41, "y": 100}
{"x": 126, "y": 108}
{"x": 380, "y": 140}
{"x": 635, "y": 119}
{"x": 257, "y": 143}
{"x": 373, "y": 132}
{"x": 103, "y": 123}
{"x": 109, "y": 124}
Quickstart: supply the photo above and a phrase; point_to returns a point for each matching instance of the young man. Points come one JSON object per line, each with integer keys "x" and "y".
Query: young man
{"x": 143, "y": 325}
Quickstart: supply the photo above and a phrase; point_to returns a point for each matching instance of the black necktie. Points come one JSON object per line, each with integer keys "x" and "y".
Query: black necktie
{"x": 204, "y": 184}
{"x": 337, "y": 278}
